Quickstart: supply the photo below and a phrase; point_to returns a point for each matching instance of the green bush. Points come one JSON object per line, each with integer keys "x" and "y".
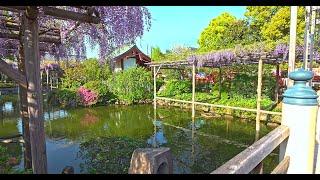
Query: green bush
{"x": 64, "y": 97}
{"x": 131, "y": 85}
{"x": 5, "y": 168}
{"x": 7, "y": 85}
{"x": 101, "y": 87}
{"x": 90, "y": 74}
{"x": 175, "y": 87}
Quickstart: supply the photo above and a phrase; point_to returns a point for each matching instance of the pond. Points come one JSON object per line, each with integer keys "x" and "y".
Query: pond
{"x": 102, "y": 139}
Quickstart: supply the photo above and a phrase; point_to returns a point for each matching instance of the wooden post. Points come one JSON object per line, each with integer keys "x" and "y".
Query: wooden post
{"x": 192, "y": 142}
{"x": 34, "y": 96}
{"x": 313, "y": 24}
{"x": 259, "y": 95}
{"x": 276, "y": 98}
{"x": 292, "y": 44}
{"x": 154, "y": 88}
{"x": 47, "y": 73}
{"x": 220, "y": 85}
{"x": 306, "y": 38}
{"x": 193, "y": 88}
{"x": 50, "y": 76}
{"x": 24, "y": 115}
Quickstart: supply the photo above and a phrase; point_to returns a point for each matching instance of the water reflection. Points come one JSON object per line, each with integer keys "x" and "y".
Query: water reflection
{"x": 102, "y": 139}
{"x": 157, "y": 139}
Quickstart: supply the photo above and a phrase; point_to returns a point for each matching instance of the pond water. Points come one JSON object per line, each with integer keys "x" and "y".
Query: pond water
{"x": 102, "y": 139}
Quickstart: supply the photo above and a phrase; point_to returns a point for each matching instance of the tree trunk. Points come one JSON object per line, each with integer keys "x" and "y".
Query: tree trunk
{"x": 34, "y": 96}
{"x": 24, "y": 114}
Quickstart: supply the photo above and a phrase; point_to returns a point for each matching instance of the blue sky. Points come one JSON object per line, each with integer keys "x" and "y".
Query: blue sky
{"x": 178, "y": 25}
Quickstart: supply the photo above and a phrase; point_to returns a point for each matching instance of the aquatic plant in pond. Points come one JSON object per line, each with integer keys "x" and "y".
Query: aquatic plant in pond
{"x": 108, "y": 154}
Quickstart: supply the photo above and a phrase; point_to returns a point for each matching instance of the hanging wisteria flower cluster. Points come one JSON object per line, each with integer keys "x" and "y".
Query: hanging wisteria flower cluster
{"x": 118, "y": 26}
{"x": 245, "y": 54}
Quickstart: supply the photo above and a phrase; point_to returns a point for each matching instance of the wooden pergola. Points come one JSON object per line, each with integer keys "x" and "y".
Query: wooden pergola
{"x": 28, "y": 76}
{"x": 259, "y": 59}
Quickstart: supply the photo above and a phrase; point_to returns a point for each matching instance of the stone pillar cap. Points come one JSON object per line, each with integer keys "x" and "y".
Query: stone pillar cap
{"x": 300, "y": 93}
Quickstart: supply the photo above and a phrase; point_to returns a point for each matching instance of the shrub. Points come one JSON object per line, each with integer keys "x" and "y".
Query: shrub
{"x": 131, "y": 85}
{"x": 92, "y": 76}
{"x": 87, "y": 97}
{"x": 102, "y": 90}
{"x": 175, "y": 87}
{"x": 64, "y": 97}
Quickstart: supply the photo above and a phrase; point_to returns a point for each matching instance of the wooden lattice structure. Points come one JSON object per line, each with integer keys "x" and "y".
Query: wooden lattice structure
{"x": 28, "y": 32}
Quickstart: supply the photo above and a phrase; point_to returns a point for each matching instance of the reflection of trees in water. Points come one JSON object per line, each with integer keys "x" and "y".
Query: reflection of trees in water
{"x": 108, "y": 154}
{"x": 89, "y": 118}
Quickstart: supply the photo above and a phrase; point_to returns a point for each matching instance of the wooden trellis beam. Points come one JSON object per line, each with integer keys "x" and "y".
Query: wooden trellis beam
{"x": 12, "y": 73}
{"x": 42, "y": 38}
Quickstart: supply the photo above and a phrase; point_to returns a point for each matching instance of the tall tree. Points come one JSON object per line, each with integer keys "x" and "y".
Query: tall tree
{"x": 156, "y": 54}
{"x": 271, "y": 23}
{"x": 224, "y": 31}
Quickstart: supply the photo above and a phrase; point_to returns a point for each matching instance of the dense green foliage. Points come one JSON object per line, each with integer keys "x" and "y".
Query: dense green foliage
{"x": 7, "y": 162}
{"x": 272, "y": 23}
{"x": 89, "y": 74}
{"x": 131, "y": 85}
{"x": 176, "y": 87}
{"x": 7, "y": 85}
{"x": 4, "y": 157}
{"x": 261, "y": 23}
{"x": 156, "y": 54}
{"x": 223, "y": 32}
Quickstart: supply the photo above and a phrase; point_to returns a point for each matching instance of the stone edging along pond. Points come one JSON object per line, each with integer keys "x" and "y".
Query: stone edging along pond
{"x": 215, "y": 112}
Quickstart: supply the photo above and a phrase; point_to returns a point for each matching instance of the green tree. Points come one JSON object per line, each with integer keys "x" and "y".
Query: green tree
{"x": 272, "y": 23}
{"x": 224, "y": 31}
{"x": 156, "y": 54}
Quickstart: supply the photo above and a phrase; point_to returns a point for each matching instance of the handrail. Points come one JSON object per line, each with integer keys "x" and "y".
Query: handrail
{"x": 247, "y": 160}
{"x": 219, "y": 106}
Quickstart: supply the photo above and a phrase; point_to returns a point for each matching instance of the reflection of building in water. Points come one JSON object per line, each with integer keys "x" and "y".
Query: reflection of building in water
{"x": 197, "y": 124}
{"x": 158, "y": 138}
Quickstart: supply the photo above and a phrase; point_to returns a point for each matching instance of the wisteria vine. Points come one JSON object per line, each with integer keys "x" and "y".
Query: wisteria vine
{"x": 119, "y": 25}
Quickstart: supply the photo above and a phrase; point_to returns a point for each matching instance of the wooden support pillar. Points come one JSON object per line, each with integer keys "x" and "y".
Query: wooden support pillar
{"x": 220, "y": 82}
{"x": 276, "y": 93}
{"x": 24, "y": 104}
{"x": 313, "y": 24}
{"x": 154, "y": 87}
{"x": 292, "y": 44}
{"x": 259, "y": 168}
{"x": 193, "y": 88}
{"x": 34, "y": 96}
{"x": 260, "y": 72}
{"x": 47, "y": 73}
{"x": 50, "y": 75}
{"x": 306, "y": 38}
{"x": 192, "y": 142}
{"x": 154, "y": 105}
{"x": 24, "y": 115}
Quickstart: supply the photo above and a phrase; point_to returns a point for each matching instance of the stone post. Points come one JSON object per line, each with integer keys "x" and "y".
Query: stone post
{"x": 299, "y": 113}
{"x": 151, "y": 161}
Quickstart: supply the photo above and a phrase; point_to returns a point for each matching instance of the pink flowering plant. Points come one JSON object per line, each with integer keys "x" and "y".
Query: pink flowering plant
{"x": 87, "y": 97}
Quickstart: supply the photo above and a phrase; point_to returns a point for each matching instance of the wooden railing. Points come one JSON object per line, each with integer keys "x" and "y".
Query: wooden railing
{"x": 219, "y": 106}
{"x": 247, "y": 160}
